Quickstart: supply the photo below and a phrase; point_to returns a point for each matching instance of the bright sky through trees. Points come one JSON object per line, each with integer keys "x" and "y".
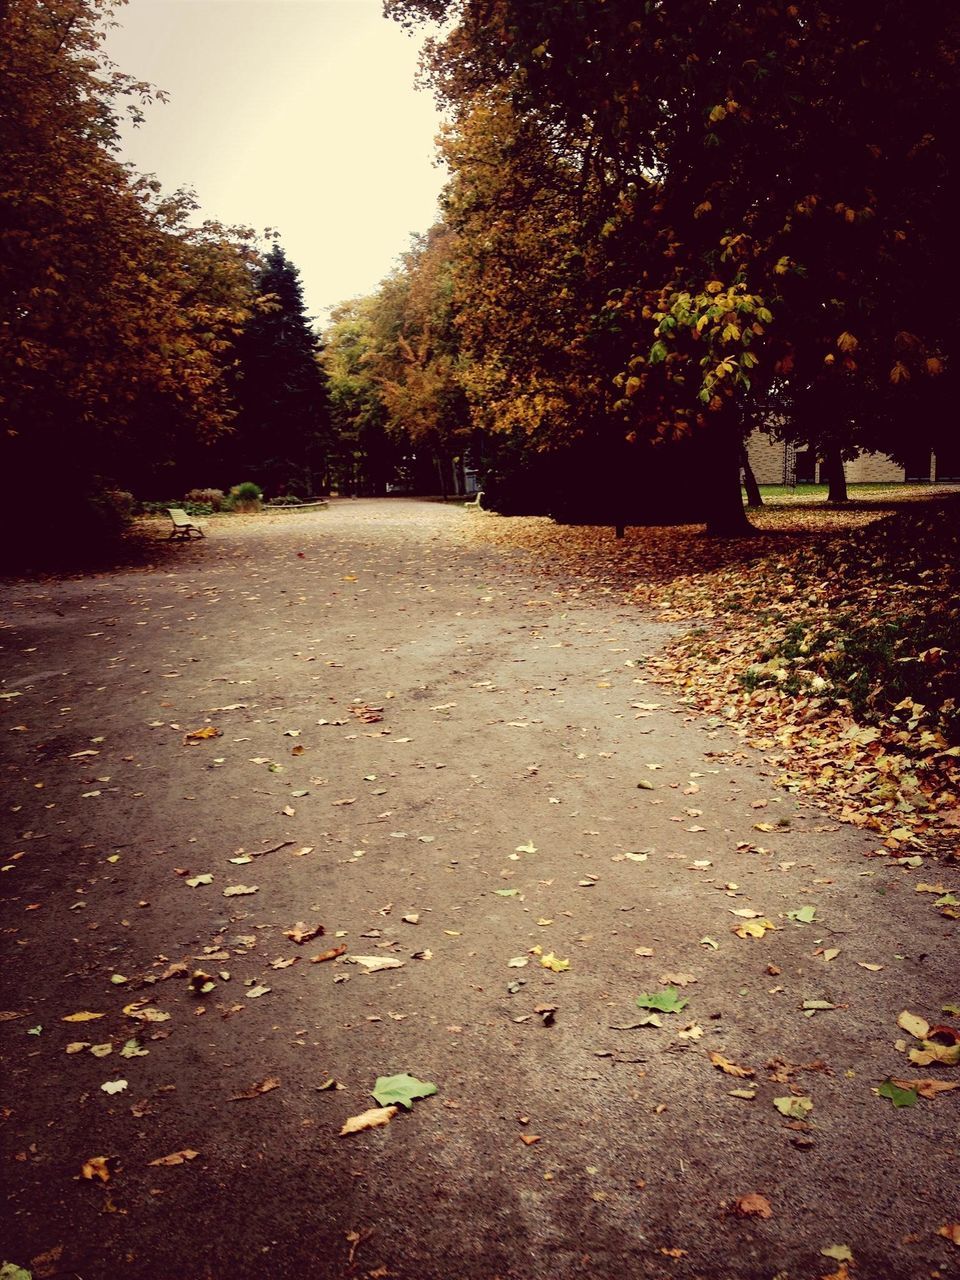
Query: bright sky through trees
{"x": 295, "y": 114}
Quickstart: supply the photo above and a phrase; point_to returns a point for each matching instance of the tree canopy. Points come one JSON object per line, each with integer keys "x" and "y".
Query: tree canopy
{"x": 750, "y": 195}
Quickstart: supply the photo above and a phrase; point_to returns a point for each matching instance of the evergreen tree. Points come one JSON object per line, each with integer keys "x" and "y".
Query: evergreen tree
{"x": 282, "y": 434}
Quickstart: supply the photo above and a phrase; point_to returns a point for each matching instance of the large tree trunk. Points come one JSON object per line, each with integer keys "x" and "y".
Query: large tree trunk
{"x": 723, "y": 500}
{"x": 836, "y": 479}
{"x": 754, "y": 498}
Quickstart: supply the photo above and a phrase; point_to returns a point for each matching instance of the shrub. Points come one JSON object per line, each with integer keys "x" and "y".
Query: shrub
{"x": 213, "y": 498}
{"x": 285, "y": 500}
{"x": 245, "y": 497}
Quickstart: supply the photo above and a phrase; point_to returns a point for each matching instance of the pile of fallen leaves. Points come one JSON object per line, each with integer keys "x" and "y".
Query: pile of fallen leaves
{"x": 831, "y": 642}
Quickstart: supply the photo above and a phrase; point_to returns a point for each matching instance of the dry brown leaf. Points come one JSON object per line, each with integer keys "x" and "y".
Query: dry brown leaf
{"x": 754, "y": 1206}
{"x": 176, "y": 1157}
{"x": 730, "y": 1068}
{"x": 950, "y": 1231}
{"x": 926, "y": 1088}
{"x": 301, "y": 932}
{"x": 677, "y": 979}
{"x": 528, "y": 1139}
{"x": 371, "y": 1119}
{"x": 328, "y": 955}
{"x": 271, "y": 1082}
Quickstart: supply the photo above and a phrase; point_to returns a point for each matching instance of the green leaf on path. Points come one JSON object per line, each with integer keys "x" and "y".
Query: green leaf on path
{"x": 10, "y": 1270}
{"x": 401, "y": 1089}
{"x": 506, "y": 893}
{"x": 667, "y": 1001}
{"x": 899, "y": 1097}
{"x": 803, "y": 915}
{"x": 195, "y": 881}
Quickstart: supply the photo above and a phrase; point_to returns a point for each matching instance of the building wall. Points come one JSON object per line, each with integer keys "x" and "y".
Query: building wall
{"x": 775, "y": 462}
{"x": 873, "y": 468}
{"x": 769, "y": 459}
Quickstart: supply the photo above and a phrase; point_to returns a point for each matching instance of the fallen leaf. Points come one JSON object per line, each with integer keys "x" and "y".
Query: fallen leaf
{"x": 754, "y": 1206}
{"x": 554, "y": 963}
{"x": 730, "y": 1068}
{"x": 667, "y": 1001}
{"x": 373, "y": 964}
{"x": 930, "y": 1052}
{"x": 753, "y": 928}
{"x": 913, "y": 1025}
{"x": 677, "y": 979}
{"x": 265, "y": 1086}
{"x": 950, "y": 1231}
{"x": 176, "y": 1157}
{"x": 794, "y": 1108}
{"x": 195, "y": 881}
{"x": 301, "y": 932}
{"x": 259, "y": 990}
{"x": 803, "y": 915}
{"x": 114, "y": 1086}
{"x": 199, "y": 735}
{"x": 838, "y": 1252}
{"x": 926, "y": 1088}
{"x": 401, "y": 1090}
{"x": 328, "y": 955}
{"x": 83, "y": 1016}
{"x": 97, "y": 1168}
{"x": 528, "y": 1139}
{"x": 371, "y": 1119}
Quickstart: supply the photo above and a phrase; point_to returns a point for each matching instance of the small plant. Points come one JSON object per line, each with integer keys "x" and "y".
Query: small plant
{"x": 285, "y": 500}
{"x": 213, "y": 498}
{"x": 246, "y": 497}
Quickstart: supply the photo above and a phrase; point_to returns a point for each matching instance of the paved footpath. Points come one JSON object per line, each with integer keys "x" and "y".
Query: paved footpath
{"x": 449, "y": 758}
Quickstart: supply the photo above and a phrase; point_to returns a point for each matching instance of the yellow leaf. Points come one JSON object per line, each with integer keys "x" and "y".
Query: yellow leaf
{"x": 552, "y": 962}
{"x": 899, "y": 372}
{"x": 714, "y": 286}
{"x": 96, "y": 1168}
{"x": 83, "y": 1016}
{"x": 372, "y": 1119}
{"x": 929, "y": 1052}
{"x": 753, "y": 928}
{"x": 847, "y": 342}
{"x": 197, "y": 735}
{"x": 913, "y": 1024}
{"x": 950, "y": 1231}
{"x": 718, "y": 113}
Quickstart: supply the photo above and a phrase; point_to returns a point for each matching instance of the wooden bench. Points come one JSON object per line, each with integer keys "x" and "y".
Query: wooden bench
{"x": 183, "y": 526}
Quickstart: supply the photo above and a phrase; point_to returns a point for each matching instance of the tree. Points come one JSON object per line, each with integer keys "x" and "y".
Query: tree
{"x": 282, "y": 433}
{"x": 116, "y": 314}
{"x": 765, "y": 185}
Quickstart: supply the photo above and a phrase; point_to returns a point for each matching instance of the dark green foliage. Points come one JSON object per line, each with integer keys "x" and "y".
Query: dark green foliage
{"x": 282, "y": 431}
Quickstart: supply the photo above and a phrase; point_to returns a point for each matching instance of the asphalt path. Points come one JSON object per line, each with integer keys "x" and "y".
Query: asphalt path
{"x": 437, "y": 752}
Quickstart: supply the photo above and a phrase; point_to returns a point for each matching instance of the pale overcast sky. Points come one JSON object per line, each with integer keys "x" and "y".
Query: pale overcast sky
{"x": 294, "y": 114}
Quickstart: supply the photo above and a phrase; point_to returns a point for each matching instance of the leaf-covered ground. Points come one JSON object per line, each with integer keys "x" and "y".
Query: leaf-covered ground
{"x": 831, "y": 642}
{"x": 371, "y": 910}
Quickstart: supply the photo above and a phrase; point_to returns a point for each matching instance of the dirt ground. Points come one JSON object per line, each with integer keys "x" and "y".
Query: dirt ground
{"x": 447, "y": 756}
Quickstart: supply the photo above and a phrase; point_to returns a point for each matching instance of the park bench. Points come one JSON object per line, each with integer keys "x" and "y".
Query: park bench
{"x": 476, "y": 501}
{"x": 183, "y": 526}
